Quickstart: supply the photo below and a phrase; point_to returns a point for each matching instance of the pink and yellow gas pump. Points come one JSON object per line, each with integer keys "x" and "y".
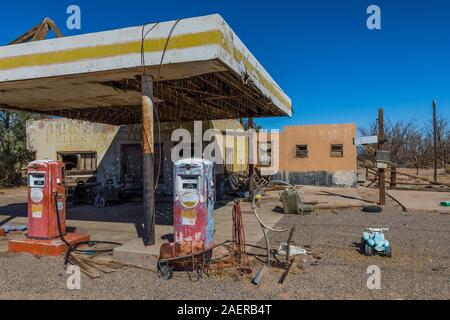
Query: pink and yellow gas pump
{"x": 194, "y": 201}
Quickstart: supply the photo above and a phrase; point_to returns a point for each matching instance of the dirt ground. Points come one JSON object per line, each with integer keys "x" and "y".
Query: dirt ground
{"x": 443, "y": 176}
{"x": 334, "y": 269}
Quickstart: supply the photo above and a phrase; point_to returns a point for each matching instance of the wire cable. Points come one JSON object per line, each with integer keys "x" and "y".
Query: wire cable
{"x": 155, "y": 108}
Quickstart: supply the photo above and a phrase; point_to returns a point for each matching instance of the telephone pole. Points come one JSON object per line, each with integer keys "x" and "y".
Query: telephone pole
{"x": 435, "y": 138}
{"x": 251, "y": 166}
{"x": 381, "y": 145}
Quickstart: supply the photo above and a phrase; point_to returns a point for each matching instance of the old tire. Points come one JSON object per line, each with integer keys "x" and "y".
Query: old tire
{"x": 362, "y": 246}
{"x": 372, "y": 209}
{"x": 166, "y": 272}
{"x": 368, "y": 250}
{"x": 102, "y": 203}
{"x": 389, "y": 252}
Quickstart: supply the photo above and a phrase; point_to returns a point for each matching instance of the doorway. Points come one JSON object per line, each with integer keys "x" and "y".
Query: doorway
{"x": 131, "y": 156}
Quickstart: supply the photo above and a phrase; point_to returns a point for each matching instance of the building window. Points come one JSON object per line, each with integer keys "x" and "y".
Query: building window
{"x": 79, "y": 162}
{"x": 337, "y": 150}
{"x": 301, "y": 151}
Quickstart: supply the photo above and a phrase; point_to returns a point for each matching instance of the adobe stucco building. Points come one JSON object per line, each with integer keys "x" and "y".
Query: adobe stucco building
{"x": 318, "y": 155}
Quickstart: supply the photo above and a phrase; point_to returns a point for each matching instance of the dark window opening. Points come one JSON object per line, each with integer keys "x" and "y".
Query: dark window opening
{"x": 337, "y": 150}
{"x": 301, "y": 151}
{"x": 79, "y": 162}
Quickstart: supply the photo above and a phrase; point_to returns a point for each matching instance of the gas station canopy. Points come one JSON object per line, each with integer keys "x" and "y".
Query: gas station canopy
{"x": 200, "y": 68}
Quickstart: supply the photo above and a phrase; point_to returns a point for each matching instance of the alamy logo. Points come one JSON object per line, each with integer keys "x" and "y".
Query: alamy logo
{"x": 374, "y": 281}
{"x": 235, "y": 147}
{"x": 74, "y": 280}
{"x": 74, "y": 20}
{"x": 374, "y": 20}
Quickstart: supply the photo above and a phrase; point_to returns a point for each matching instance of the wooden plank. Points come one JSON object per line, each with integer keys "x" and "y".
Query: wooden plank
{"x": 102, "y": 267}
{"x": 91, "y": 272}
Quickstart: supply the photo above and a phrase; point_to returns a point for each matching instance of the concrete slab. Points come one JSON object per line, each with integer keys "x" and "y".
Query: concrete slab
{"x": 331, "y": 197}
{"x": 54, "y": 248}
{"x": 421, "y": 200}
{"x": 125, "y": 226}
{"x": 135, "y": 253}
{"x": 326, "y": 197}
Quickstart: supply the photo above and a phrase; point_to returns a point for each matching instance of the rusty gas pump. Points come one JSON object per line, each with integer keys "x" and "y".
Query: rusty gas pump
{"x": 47, "y": 234}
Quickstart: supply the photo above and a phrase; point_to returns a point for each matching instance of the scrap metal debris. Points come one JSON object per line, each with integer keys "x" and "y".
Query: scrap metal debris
{"x": 239, "y": 240}
{"x": 293, "y": 250}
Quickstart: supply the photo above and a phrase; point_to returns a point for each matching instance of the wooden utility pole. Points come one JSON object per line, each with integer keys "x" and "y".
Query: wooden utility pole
{"x": 393, "y": 176}
{"x": 381, "y": 145}
{"x": 148, "y": 161}
{"x": 251, "y": 165}
{"x": 435, "y": 137}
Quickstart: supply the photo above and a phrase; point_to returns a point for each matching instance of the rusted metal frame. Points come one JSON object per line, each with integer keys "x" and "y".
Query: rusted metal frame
{"x": 182, "y": 104}
{"x": 180, "y": 101}
{"x": 103, "y": 115}
{"x": 113, "y": 114}
{"x": 255, "y": 97}
{"x": 239, "y": 109}
{"x": 211, "y": 96}
{"x": 196, "y": 105}
{"x": 175, "y": 112}
{"x": 223, "y": 76}
{"x": 203, "y": 79}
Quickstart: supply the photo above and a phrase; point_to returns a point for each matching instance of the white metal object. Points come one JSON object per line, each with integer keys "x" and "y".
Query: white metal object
{"x": 293, "y": 251}
{"x": 366, "y": 140}
{"x": 382, "y": 165}
{"x": 376, "y": 230}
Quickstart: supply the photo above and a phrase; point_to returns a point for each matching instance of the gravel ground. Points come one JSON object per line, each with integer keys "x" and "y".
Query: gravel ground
{"x": 419, "y": 268}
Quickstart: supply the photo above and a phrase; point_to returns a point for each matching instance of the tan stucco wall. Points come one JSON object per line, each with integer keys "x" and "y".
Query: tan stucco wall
{"x": 319, "y": 139}
{"x": 47, "y": 137}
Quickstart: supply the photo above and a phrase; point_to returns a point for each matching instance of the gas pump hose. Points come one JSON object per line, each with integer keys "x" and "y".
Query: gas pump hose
{"x": 73, "y": 248}
{"x": 58, "y": 219}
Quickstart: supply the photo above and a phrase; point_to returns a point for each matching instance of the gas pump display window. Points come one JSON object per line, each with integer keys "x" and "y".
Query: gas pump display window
{"x": 189, "y": 183}
{"x": 190, "y": 186}
{"x": 36, "y": 180}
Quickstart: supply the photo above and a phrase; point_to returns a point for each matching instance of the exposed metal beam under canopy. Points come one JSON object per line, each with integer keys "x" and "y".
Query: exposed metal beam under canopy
{"x": 206, "y": 73}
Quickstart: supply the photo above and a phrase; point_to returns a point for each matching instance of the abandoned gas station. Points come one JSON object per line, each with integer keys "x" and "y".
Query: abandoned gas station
{"x": 180, "y": 71}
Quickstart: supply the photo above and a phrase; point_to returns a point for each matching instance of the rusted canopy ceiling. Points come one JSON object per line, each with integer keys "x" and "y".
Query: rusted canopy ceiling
{"x": 117, "y": 100}
{"x": 206, "y": 74}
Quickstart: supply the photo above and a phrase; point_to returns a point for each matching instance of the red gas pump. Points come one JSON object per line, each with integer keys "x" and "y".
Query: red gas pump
{"x": 46, "y": 200}
{"x": 46, "y": 212}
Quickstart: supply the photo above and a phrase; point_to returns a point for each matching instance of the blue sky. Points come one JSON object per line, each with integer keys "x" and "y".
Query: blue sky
{"x": 319, "y": 51}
